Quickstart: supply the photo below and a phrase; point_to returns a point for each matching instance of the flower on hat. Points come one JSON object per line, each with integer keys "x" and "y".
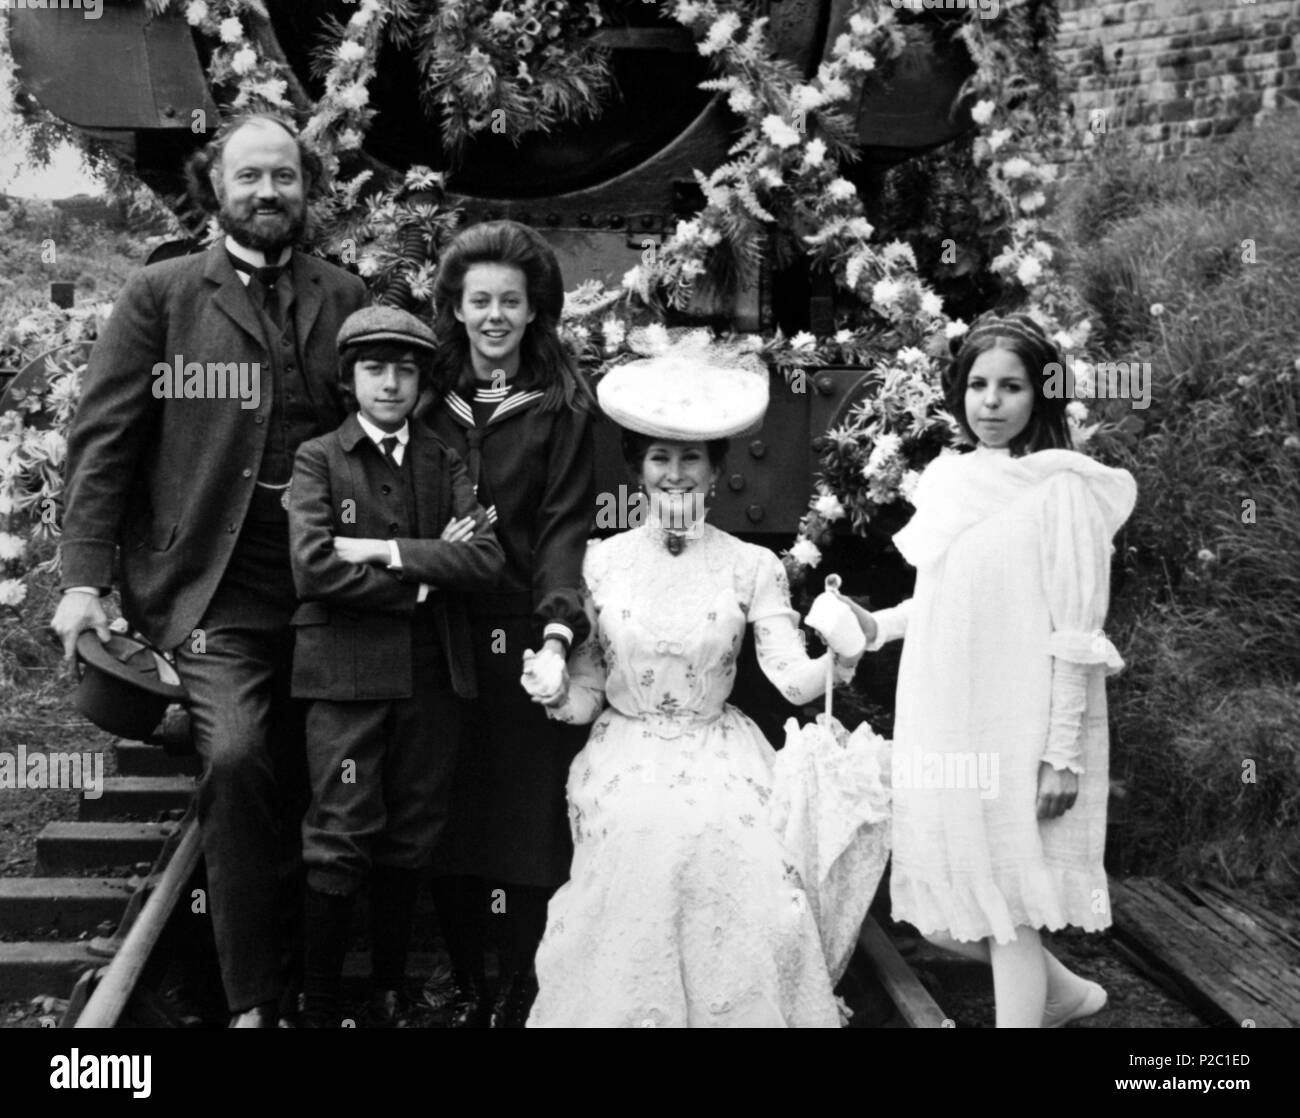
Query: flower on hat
{"x": 982, "y": 113}
{"x": 231, "y": 30}
{"x": 196, "y": 12}
{"x": 955, "y": 329}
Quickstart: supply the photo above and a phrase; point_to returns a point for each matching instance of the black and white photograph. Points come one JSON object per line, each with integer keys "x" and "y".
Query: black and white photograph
{"x": 650, "y": 514}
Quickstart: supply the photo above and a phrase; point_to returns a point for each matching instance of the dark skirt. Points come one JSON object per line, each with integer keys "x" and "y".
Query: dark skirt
{"x": 509, "y": 819}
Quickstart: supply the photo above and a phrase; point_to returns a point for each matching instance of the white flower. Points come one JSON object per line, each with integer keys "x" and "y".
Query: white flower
{"x": 1205, "y": 555}
{"x": 720, "y": 33}
{"x": 632, "y": 280}
{"x": 955, "y": 329}
{"x": 687, "y": 12}
{"x": 1077, "y": 410}
{"x": 828, "y": 507}
{"x": 885, "y": 293}
{"x": 196, "y": 12}
{"x": 368, "y": 265}
{"x": 1063, "y": 340}
{"x": 614, "y": 332}
{"x": 361, "y": 17}
{"x": 6, "y": 504}
{"x": 982, "y": 113}
{"x": 502, "y": 20}
{"x": 231, "y": 30}
{"x": 350, "y": 51}
{"x": 843, "y": 337}
{"x": 861, "y": 24}
{"x": 803, "y": 340}
{"x": 931, "y": 304}
{"x": 780, "y": 133}
{"x": 1157, "y": 309}
{"x": 907, "y": 487}
{"x": 11, "y": 547}
{"x": 998, "y": 137}
{"x": 1029, "y": 271}
{"x": 887, "y": 446}
{"x": 741, "y": 101}
{"x": 1004, "y": 261}
{"x": 1033, "y": 202}
{"x": 1046, "y": 172}
{"x": 897, "y": 251}
{"x": 1291, "y": 442}
{"x": 804, "y": 552}
{"x": 910, "y": 355}
{"x": 806, "y": 97}
{"x": 355, "y": 96}
{"x": 349, "y": 139}
{"x": 580, "y": 335}
{"x": 1017, "y": 167}
{"x": 244, "y": 61}
{"x": 840, "y": 190}
{"x": 1043, "y": 251}
{"x": 14, "y": 590}
{"x": 815, "y": 152}
{"x": 54, "y": 445}
{"x": 859, "y": 60}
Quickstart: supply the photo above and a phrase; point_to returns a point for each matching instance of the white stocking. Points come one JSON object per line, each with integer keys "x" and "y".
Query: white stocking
{"x": 976, "y": 949}
{"x": 1019, "y": 980}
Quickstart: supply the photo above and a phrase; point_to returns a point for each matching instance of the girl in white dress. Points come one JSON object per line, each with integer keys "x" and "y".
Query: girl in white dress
{"x": 684, "y": 906}
{"x": 1000, "y": 740}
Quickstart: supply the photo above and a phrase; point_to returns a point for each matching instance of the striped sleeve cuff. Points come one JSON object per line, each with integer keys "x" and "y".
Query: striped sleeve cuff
{"x": 561, "y": 632}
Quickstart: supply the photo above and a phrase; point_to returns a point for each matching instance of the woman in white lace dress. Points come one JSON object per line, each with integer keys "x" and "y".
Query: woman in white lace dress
{"x": 1000, "y": 740}
{"x": 684, "y": 906}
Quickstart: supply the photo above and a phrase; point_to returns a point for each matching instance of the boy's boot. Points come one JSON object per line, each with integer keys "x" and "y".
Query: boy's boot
{"x": 329, "y": 926}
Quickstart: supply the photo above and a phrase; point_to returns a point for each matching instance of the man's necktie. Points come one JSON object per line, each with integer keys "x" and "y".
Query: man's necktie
{"x": 389, "y": 443}
{"x": 267, "y": 280}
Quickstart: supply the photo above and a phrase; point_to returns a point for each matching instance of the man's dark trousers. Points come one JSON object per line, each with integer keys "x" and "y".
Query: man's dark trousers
{"x": 253, "y": 791}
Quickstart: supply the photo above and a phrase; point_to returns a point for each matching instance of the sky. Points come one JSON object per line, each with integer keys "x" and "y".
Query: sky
{"x": 65, "y": 176}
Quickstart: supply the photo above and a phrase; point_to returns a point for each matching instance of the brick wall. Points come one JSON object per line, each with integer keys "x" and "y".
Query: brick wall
{"x": 1177, "y": 73}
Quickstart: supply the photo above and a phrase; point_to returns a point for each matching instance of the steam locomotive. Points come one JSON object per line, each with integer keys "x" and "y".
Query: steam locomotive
{"x": 599, "y": 191}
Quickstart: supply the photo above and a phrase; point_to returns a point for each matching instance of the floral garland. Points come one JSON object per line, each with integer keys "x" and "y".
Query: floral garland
{"x": 511, "y": 67}
{"x": 784, "y": 171}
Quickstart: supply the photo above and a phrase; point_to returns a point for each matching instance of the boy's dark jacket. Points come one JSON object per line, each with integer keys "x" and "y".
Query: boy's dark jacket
{"x": 353, "y": 626}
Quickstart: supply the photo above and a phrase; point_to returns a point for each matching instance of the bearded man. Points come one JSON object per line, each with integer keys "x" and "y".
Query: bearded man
{"x": 190, "y": 481}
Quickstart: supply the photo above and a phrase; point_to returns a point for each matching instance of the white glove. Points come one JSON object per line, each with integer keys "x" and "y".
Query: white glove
{"x": 546, "y": 677}
{"x": 837, "y": 625}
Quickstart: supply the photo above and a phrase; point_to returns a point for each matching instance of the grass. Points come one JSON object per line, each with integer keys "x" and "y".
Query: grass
{"x": 1206, "y": 741}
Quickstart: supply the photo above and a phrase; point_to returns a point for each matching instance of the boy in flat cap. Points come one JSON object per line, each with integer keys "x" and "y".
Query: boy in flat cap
{"x": 385, "y": 531}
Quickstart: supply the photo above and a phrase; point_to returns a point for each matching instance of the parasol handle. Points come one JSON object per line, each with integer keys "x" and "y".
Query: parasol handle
{"x": 832, "y": 584}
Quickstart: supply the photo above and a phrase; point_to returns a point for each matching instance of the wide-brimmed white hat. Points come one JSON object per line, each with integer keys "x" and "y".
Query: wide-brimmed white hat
{"x": 692, "y": 390}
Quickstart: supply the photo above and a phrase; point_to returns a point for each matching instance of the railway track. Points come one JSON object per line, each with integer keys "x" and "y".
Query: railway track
{"x": 113, "y": 882}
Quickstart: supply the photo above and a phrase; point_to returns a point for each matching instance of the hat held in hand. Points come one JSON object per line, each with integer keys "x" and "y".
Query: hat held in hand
{"x": 125, "y": 685}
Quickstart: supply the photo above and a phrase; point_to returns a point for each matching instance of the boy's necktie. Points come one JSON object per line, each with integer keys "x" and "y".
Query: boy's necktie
{"x": 389, "y": 443}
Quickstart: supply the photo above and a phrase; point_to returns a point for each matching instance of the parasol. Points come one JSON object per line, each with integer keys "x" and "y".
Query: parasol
{"x": 830, "y": 806}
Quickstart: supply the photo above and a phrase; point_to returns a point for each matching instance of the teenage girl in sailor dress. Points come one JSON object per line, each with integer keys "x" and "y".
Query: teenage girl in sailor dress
{"x": 519, "y": 413}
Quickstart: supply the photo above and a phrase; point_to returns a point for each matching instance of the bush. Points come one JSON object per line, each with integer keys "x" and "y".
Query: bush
{"x": 1195, "y": 266}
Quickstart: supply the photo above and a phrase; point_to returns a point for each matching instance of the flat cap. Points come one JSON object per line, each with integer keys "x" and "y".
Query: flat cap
{"x": 385, "y": 324}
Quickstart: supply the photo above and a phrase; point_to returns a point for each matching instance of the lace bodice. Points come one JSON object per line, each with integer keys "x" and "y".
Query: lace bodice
{"x": 666, "y": 630}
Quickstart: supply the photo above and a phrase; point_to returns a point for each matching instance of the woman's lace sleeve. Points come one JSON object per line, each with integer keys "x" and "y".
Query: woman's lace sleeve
{"x": 779, "y": 642}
